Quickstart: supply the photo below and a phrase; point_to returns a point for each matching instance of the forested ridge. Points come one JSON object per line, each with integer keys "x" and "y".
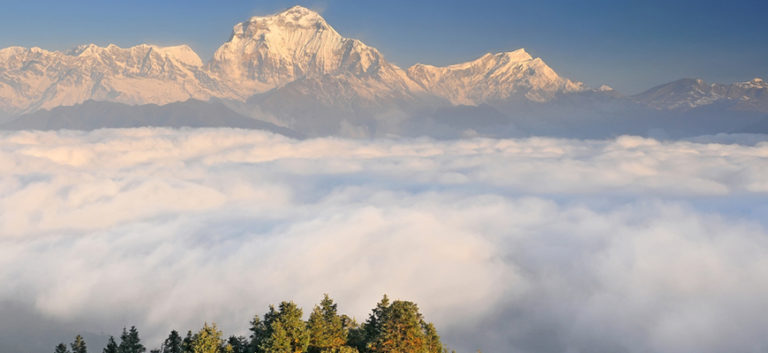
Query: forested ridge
{"x": 391, "y": 327}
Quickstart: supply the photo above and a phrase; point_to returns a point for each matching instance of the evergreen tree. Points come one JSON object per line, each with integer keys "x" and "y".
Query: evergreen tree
{"x": 111, "y": 346}
{"x": 258, "y": 333}
{"x": 186, "y": 343}
{"x": 130, "y": 342}
{"x": 432, "y": 339}
{"x": 372, "y": 328}
{"x": 400, "y": 331}
{"x": 207, "y": 340}
{"x": 278, "y": 341}
{"x": 172, "y": 344}
{"x": 78, "y": 346}
{"x": 287, "y": 332}
{"x": 357, "y": 338}
{"x": 326, "y": 329}
{"x": 61, "y": 348}
{"x": 261, "y": 330}
{"x": 238, "y": 344}
{"x": 399, "y": 327}
{"x": 392, "y": 327}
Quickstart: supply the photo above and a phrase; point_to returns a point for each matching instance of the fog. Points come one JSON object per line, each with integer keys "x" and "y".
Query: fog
{"x": 516, "y": 245}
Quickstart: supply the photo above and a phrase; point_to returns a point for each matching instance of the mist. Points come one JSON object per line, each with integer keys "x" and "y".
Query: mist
{"x": 524, "y": 245}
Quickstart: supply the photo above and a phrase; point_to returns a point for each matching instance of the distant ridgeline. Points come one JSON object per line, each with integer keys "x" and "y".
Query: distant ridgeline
{"x": 293, "y": 73}
{"x": 391, "y": 327}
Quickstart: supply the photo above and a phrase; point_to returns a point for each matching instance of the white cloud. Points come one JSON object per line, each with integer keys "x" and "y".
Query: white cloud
{"x": 530, "y": 245}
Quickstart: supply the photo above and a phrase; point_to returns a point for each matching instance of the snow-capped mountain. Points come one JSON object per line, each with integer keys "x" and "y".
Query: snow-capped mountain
{"x": 294, "y": 70}
{"x": 32, "y": 79}
{"x": 271, "y": 51}
{"x": 294, "y": 50}
{"x": 493, "y": 78}
{"x": 692, "y": 93}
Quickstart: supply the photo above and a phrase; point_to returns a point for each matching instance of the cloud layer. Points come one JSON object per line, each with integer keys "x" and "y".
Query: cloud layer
{"x": 530, "y": 245}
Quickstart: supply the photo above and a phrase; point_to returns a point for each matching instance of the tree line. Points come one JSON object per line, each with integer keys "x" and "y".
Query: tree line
{"x": 392, "y": 327}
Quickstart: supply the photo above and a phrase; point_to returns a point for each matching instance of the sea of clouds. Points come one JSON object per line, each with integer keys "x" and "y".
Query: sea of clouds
{"x": 519, "y": 245}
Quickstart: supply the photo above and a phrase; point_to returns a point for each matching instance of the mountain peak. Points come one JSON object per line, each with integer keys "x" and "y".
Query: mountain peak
{"x": 691, "y": 93}
{"x": 516, "y": 55}
{"x": 269, "y": 51}
{"x": 494, "y": 77}
{"x": 294, "y": 17}
{"x": 299, "y": 11}
{"x": 180, "y": 53}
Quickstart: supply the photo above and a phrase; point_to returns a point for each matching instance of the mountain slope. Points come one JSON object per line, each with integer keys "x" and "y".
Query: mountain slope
{"x": 93, "y": 115}
{"x": 294, "y": 54}
{"x": 271, "y": 51}
{"x": 687, "y": 94}
{"x": 294, "y": 70}
{"x": 32, "y": 79}
{"x": 494, "y": 77}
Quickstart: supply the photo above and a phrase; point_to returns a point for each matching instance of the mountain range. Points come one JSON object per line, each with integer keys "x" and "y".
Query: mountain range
{"x": 293, "y": 73}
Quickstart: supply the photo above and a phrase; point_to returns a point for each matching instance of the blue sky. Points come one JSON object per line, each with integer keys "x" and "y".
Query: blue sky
{"x": 630, "y": 45}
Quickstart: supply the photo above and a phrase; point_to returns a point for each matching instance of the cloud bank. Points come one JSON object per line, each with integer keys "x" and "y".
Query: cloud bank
{"x": 525, "y": 245}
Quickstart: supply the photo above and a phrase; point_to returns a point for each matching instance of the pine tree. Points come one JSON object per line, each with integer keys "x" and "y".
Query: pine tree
{"x": 357, "y": 338}
{"x": 238, "y": 344}
{"x": 432, "y": 339}
{"x": 261, "y": 330}
{"x": 186, "y": 343}
{"x": 399, "y": 327}
{"x": 78, "y": 346}
{"x": 130, "y": 342}
{"x": 207, "y": 340}
{"x": 61, "y": 348}
{"x": 287, "y": 332}
{"x": 258, "y": 333}
{"x": 278, "y": 341}
{"x": 372, "y": 328}
{"x": 326, "y": 329}
{"x": 111, "y": 346}
{"x": 172, "y": 344}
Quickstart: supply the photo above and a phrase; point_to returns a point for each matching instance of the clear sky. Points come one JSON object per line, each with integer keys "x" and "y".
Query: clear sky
{"x": 630, "y": 45}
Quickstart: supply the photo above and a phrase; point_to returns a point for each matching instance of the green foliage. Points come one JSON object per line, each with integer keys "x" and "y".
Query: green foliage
{"x": 186, "y": 343}
{"x": 236, "y": 344}
{"x": 78, "y": 346}
{"x": 61, "y": 348}
{"x": 130, "y": 342}
{"x": 261, "y": 330}
{"x": 373, "y": 328}
{"x": 432, "y": 339}
{"x": 342, "y": 349}
{"x": 326, "y": 328}
{"x": 207, "y": 340}
{"x": 399, "y": 327}
{"x": 172, "y": 344}
{"x": 286, "y": 332}
{"x": 357, "y": 338}
{"x": 400, "y": 330}
{"x": 278, "y": 341}
{"x": 111, "y": 346}
{"x": 395, "y": 327}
